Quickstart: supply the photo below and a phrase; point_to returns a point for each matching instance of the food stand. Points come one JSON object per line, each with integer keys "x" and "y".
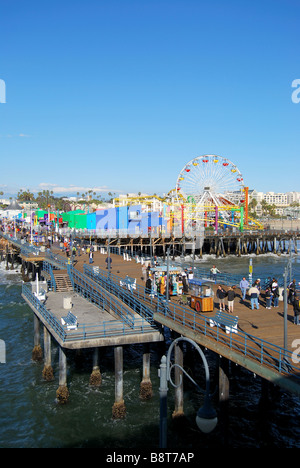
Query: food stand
{"x": 159, "y": 275}
{"x": 202, "y": 295}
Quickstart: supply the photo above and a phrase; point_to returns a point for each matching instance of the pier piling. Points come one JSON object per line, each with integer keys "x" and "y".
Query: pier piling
{"x": 146, "y": 385}
{"x": 37, "y": 353}
{"x": 96, "y": 378}
{"x": 119, "y": 409}
{"x": 62, "y": 393}
{"x": 48, "y": 370}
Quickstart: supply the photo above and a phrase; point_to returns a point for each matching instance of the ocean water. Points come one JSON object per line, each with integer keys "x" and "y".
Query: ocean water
{"x": 31, "y": 417}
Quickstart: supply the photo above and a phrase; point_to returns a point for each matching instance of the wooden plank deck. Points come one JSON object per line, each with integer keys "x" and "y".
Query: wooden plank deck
{"x": 263, "y": 324}
{"x": 266, "y": 324}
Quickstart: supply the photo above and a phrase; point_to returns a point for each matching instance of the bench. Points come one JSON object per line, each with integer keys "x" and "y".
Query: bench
{"x": 226, "y": 320}
{"x": 70, "y": 321}
{"x": 41, "y": 295}
{"x": 129, "y": 282}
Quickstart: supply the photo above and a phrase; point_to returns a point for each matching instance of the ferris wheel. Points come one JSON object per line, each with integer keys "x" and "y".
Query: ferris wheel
{"x": 210, "y": 179}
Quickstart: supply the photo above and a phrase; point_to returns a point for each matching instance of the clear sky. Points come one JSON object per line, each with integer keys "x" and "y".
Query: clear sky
{"x": 118, "y": 95}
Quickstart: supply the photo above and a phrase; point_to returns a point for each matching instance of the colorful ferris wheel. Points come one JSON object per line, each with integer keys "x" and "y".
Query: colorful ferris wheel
{"x": 210, "y": 180}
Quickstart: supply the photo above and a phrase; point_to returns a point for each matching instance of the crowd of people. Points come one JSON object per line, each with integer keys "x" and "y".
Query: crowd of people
{"x": 254, "y": 292}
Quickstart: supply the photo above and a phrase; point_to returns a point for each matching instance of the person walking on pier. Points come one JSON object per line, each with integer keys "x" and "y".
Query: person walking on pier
{"x": 244, "y": 285}
{"x": 221, "y": 294}
{"x": 230, "y": 299}
{"x": 258, "y": 286}
{"x": 254, "y": 294}
{"x": 108, "y": 262}
{"x": 268, "y": 296}
{"x": 292, "y": 290}
{"x": 275, "y": 292}
{"x": 296, "y": 307}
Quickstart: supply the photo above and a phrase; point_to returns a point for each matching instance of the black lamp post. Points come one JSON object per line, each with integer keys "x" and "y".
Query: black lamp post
{"x": 206, "y": 418}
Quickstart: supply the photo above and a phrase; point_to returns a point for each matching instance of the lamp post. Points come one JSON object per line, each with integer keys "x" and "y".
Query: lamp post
{"x": 206, "y": 418}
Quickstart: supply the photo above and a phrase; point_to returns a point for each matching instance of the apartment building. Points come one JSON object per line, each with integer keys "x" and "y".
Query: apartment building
{"x": 282, "y": 201}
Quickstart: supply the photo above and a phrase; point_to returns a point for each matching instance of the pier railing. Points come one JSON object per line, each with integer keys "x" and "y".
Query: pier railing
{"x": 223, "y": 278}
{"x": 250, "y": 346}
{"x": 140, "y": 293}
{"x": 85, "y": 331}
{"x": 41, "y": 309}
{"x": 114, "y": 288}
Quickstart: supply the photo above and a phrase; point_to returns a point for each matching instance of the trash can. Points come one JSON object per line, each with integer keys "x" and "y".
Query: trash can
{"x": 67, "y": 303}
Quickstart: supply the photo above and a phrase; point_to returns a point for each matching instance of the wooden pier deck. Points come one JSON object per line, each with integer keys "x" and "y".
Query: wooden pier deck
{"x": 262, "y": 327}
{"x": 101, "y": 328}
{"x": 263, "y": 323}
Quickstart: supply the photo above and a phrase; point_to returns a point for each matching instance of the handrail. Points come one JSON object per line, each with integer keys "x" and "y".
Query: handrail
{"x": 260, "y": 350}
{"x": 49, "y": 269}
{"x": 93, "y": 292}
{"x": 46, "y": 314}
{"x": 248, "y": 345}
{"x": 107, "y": 328}
{"x": 119, "y": 292}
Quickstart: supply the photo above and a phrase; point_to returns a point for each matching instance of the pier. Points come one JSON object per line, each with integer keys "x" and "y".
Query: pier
{"x": 208, "y": 242}
{"x": 110, "y": 312}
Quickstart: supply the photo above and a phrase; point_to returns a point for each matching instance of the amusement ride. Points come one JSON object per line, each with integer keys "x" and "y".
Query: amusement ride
{"x": 212, "y": 190}
{"x": 209, "y": 192}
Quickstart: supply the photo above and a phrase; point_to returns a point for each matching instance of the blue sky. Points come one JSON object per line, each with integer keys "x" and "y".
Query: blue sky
{"x": 119, "y": 95}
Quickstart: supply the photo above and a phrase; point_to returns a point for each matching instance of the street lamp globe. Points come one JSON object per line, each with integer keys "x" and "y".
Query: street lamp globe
{"x": 206, "y": 418}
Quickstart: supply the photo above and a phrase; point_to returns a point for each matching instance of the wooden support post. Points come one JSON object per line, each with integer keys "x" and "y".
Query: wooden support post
{"x": 119, "y": 410}
{"x": 257, "y": 247}
{"x": 37, "y": 353}
{"x": 47, "y": 371}
{"x": 7, "y": 257}
{"x": 12, "y": 259}
{"x": 239, "y": 247}
{"x": 217, "y": 251}
{"x": 146, "y": 385}
{"x": 194, "y": 249}
{"x": 178, "y": 354}
{"x": 201, "y": 252}
{"x": 62, "y": 393}
{"x": 96, "y": 378}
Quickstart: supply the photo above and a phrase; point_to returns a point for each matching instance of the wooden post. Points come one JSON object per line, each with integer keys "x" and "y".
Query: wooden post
{"x": 178, "y": 411}
{"x": 47, "y": 371}
{"x": 37, "y": 353}
{"x": 62, "y": 393}
{"x": 119, "y": 410}
{"x": 146, "y": 385}
{"x": 96, "y": 378}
